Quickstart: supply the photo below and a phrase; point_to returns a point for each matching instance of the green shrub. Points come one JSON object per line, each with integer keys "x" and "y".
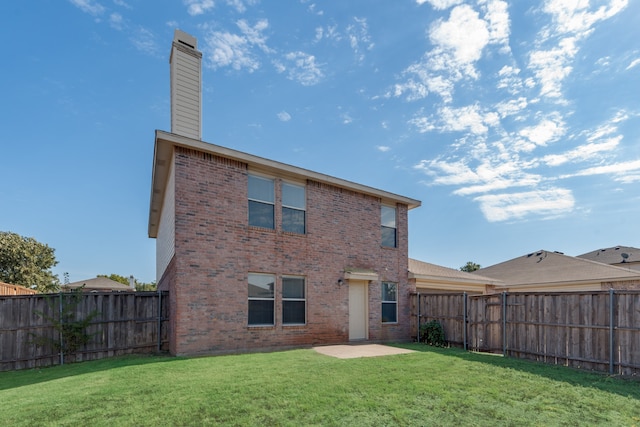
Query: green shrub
{"x": 432, "y": 333}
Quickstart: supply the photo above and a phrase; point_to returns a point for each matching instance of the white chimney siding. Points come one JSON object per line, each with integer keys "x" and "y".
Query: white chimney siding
{"x": 186, "y": 82}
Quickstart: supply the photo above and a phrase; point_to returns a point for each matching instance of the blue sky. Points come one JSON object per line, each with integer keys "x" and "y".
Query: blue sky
{"x": 517, "y": 124}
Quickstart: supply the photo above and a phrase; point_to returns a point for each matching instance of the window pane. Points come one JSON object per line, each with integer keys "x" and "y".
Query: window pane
{"x": 293, "y": 220}
{"x": 389, "y": 314}
{"x": 293, "y": 312}
{"x": 260, "y": 286}
{"x": 293, "y": 287}
{"x": 261, "y": 189}
{"x": 261, "y": 312}
{"x": 389, "y": 237}
{"x": 388, "y": 217}
{"x": 389, "y": 292}
{"x": 261, "y": 214}
{"x": 293, "y": 196}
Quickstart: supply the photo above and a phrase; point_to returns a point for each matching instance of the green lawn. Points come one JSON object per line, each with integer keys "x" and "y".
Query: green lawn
{"x": 300, "y": 387}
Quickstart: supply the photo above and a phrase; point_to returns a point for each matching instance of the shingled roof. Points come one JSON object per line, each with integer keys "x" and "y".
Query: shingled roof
{"x": 614, "y": 255}
{"x": 437, "y": 277}
{"x": 554, "y": 269}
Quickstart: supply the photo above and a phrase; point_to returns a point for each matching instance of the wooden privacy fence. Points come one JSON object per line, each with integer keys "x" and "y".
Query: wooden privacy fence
{"x": 118, "y": 323}
{"x": 597, "y": 330}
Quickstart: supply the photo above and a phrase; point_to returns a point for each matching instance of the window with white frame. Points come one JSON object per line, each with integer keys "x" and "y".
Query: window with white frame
{"x": 293, "y": 208}
{"x": 261, "y": 202}
{"x": 293, "y": 301}
{"x": 388, "y": 226}
{"x": 261, "y": 299}
{"x": 389, "y": 302}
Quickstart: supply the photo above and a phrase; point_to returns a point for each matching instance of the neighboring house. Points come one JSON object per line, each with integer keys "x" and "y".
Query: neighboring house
{"x": 8, "y": 289}
{"x": 257, "y": 254}
{"x": 98, "y": 284}
{"x": 431, "y": 278}
{"x": 546, "y": 271}
{"x": 621, "y": 256}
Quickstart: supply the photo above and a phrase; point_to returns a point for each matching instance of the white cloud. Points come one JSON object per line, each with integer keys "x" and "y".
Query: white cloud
{"x": 464, "y": 34}
{"x": 497, "y": 16}
{"x": 504, "y": 207}
{"x": 122, "y": 3}
{"x": 383, "y": 148}
{"x": 459, "y": 42}
{"x": 574, "y": 16}
{"x": 346, "y": 119}
{"x": 633, "y": 64}
{"x": 283, "y": 116}
{"x": 198, "y": 7}
{"x": 440, "y": 4}
{"x": 469, "y": 118}
{"x": 241, "y": 5}
{"x": 572, "y": 22}
{"x": 359, "y": 38}
{"x": 224, "y": 49}
{"x": 622, "y": 171}
{"x": 302, "y": 68}
{"x": 548, "y": 130}
{"x": 583, "y": 152}
{"x": 145, "y": 41}
{"x": 116, "y": 21}
{"x": 89, "y": 6}
{"x": 552, "y": 66}
{"x": 511, "y": 107}
{"x": 423, "y": 124}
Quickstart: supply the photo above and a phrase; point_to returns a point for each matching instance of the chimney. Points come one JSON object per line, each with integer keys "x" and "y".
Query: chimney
{"x": 186, "y": 81}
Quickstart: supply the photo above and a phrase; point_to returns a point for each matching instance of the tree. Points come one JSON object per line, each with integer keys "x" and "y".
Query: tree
{"x": 26, "y": 262}
{"x": 470, "y": 266}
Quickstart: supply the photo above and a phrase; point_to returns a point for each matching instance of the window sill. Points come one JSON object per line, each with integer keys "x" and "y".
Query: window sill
{"x": 250, "y": 327}
{"x": 295, "y": 326}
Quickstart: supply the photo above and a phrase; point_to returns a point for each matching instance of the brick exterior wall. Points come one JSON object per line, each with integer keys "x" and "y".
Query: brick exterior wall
{"x": 215, "y": 249}
{"x": 627, "y": 285}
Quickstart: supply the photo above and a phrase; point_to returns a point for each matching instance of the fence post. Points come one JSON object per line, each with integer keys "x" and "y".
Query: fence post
{"x": 159, "y": 320}
{"x": 611, "y": 329}
{"x": 504, "y": 323}
{"x": 61, "y": 327}
{"x": 464, "y": 320}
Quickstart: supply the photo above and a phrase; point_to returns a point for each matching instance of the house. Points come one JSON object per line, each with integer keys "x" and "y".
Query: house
{"x": 258, "y": 254}
{"x": 621, "y": 256}
{"x": 98, "y": 284}
{"x": 432, "y": 278}
{"x": 548, "y": 271}
{"x": 8, "y": 289}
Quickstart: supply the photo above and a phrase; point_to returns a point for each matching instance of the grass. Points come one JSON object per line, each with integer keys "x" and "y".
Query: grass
{"x": 437, "y": 387}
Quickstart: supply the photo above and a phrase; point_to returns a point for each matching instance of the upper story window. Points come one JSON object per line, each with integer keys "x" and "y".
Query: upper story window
{"x": 388, "y": 226}
{"x": 261, "y": 202}
{"x": 293, "y": 208}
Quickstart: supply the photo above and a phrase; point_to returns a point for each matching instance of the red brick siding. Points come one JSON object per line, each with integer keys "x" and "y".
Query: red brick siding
{"x": 628, "y": 285}
{"x": 216, "y": 249}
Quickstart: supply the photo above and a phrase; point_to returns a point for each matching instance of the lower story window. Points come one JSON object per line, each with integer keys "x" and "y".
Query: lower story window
{"x": 389, "y": 302}
{"x": 261, "y": 299}
{"x": 293, "y": 301}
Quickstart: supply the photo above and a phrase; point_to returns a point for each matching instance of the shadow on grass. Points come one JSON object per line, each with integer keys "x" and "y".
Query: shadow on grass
{"x": 628, "y": 387}
{"x": 13, "y": 379}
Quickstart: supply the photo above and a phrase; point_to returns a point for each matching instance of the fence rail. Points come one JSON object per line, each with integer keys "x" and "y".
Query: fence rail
{"x": 120, "y": 323}
{"x": 597, "y": 330}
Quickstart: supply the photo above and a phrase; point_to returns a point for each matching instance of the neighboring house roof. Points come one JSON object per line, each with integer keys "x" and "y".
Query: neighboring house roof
{"x": 616, "y": 255}
{"x": 438, "y": 278}
{"x": 98, "y": 284}
{"x": 9, "y": 289}
{"x": 165, "y": 143}
{"x": 553, "y": 271}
